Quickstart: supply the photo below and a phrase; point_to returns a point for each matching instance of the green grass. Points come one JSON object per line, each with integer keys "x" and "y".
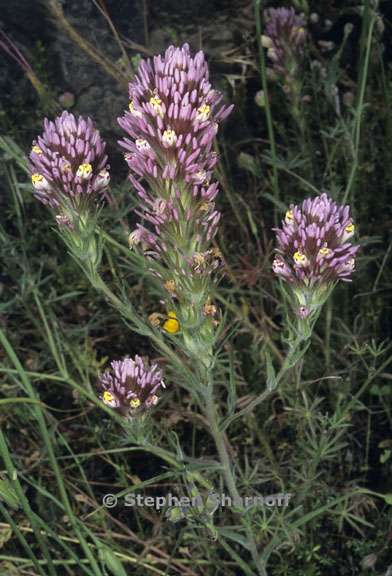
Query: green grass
{"x": 315, "y": 422}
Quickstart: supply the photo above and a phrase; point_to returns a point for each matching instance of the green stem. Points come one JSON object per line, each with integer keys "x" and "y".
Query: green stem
{"x": 228, "y": 475}
{"x": 175, "y": 463}
{"x": 267, "y": 106}
{"x": 217, "y": 434}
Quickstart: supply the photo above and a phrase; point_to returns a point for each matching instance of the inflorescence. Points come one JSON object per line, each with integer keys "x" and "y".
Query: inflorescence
{"x": 131, "y": 386}
{"x": 284, "y": 38}
{"x": 69, "y": 167}
{"x": 314, "y": 248}
{"x": 171, "y": 125}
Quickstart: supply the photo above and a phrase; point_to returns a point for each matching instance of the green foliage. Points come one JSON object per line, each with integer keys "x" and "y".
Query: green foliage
{"x": 281, "y": 411}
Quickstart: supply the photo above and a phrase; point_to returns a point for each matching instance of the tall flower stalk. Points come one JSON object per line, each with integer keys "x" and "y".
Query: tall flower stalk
{"x": 170, "y": 125}
{"x": 172, "y": 121}
{"x": 284, "y": 38}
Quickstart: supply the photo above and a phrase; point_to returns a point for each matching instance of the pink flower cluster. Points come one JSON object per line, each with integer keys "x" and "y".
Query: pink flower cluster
{"x": 68, "y": 165}
{"x": 131, "y": 386}
{"x": 285, "y": 35}
{"x": 314, "y": 243}
{"x": 171, "y": 125}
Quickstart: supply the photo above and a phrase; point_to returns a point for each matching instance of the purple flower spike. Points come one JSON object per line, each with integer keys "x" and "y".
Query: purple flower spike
{"x": 131, "y": 386}
{"x": 285, "y": 35}
{"x": 314, "y": 251}
{"x": 68, "y": 165}
{"x": 314, "y": 247}
{"x": 171, "y": 124}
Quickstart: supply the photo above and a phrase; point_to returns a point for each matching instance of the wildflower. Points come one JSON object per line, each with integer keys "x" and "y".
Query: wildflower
{"x": 169, "y": 145}
{"x": 131, "y": 386}
{"x": 169, "y": 149}
{"x": 285, "y": 34}
{"x": 68, "y": 165}
{"x": 171, "y": 325}
{"x": 314, "y": 249}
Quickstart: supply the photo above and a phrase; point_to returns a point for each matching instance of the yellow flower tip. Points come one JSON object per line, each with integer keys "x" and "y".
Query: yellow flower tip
{"x": 36, "y": 150}
{"x": 203, "y": 113}
{"x": 108, "y": 398}
{"x": 155, "y": 101}
{"x": 300, "y": 258}
{"x": 169, "y": 137}
{"x": 171, "y": 325}
{"x": 350, "y": 228}
{"x": 134, "y": 402}
{"x": 289, "y": 216}
{"x": 37, "y": 179}
{"x": 84, "y": 171}
{"x": 324, "y": 251}
{"x": 133, "y": 110}
{"x": 156, "y": 104}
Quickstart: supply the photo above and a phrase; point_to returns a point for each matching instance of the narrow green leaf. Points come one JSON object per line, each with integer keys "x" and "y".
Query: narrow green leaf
{"x": 111, "y": 561}
{"x": 8, "y": 494}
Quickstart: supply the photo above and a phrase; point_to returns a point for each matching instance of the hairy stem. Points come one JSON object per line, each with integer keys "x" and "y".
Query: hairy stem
{"x": 217, "y": 434}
